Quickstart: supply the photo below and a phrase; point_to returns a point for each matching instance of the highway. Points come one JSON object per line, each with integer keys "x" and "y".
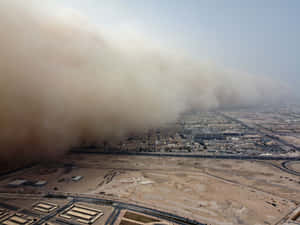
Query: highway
{"x": 118, "y": 206}
{"x": 260, "y": 132}
{"x": 204, "y": 156}
{"x": 81, "y": 198}
{"x": 186, "y": 155}
{"x": 285, "y": 168}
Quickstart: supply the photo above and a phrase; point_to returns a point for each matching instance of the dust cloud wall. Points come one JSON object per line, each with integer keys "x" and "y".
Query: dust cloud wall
{"x": 64, "y": 80}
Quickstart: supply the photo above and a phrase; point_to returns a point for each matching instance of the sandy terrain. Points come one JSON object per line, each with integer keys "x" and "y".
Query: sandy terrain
{"x": 292, "y": 140}
{"x": 294, "y": 166}
{"x": 210, "y": 191}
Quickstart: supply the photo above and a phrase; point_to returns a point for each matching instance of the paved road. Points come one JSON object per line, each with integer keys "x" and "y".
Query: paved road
{"x": 186, "y": 155}
{"x": 260, "y": 132}
{"x": 285, "y": 168}
{"x": 122, "y": 205}
{"x": 51, "y": 215}
{"x": 117, "y": 205}
{"x": 113, "y": 217}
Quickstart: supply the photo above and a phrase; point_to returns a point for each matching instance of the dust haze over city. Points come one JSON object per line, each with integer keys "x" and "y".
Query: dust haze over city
{"x": 161, "y": 112}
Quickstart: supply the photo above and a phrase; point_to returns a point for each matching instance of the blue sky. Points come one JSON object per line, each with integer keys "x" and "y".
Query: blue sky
{"x": 255, "y": 36}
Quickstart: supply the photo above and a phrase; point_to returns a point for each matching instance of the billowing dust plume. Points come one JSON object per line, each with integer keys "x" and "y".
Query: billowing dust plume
{"x": 64, "y": 81}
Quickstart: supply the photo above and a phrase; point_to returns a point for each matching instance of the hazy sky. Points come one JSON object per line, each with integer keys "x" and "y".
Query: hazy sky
{"x": 256, "y": 36}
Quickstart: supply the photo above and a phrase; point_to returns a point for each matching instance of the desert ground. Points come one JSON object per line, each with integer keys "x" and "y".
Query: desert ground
{"x": 207, "y": 190}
